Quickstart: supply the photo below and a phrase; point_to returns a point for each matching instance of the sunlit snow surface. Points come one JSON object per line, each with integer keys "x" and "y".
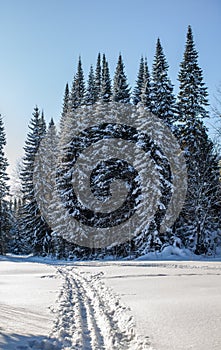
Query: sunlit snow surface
{"x": 161, "y": 305}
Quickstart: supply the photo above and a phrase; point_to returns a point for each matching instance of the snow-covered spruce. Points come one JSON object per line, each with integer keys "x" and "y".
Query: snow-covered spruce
{"x": 35, "y": 230}
{"x": 4, "y": 189}
{"x": 199, "y": 222}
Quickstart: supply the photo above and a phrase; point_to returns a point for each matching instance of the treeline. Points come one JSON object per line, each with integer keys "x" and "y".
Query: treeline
{"x": 24, "y": 228}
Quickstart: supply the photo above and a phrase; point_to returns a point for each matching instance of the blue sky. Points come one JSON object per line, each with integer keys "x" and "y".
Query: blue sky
{"x": 42, "y": 39}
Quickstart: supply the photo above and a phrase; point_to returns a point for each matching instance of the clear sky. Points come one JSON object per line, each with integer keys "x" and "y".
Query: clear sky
{"x": 42, "y": 39}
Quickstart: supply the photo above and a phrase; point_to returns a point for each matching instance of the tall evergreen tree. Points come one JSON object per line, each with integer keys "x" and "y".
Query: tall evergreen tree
{"x": 139, "y": 83}
{"x": 161, "y": 88}
{"x": 78, "y": 88}
{"x": 200, "y": 217}
{"x": 91, "y": 93}
{"x": 146, "y": 89}
{"x": 121, "y": 90}
{"x": 52, "y": 205}
{"x": 44, "y": 181}
{"x": 64, "y": 107}
{"x": 16, "y": 244}
{"x": 192, "y": 97}
{"x": 98, "y": 77}
{"x": 43, "y": 123}
{"x": 33, "y": 224}
{"x": 4, "y": 190}
{"x": 105, "y": 93}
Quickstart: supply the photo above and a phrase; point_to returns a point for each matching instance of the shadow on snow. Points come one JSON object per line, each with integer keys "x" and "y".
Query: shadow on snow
{"x": 28, "y": 342}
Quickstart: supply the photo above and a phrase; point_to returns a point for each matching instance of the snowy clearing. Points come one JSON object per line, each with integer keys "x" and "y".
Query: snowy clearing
{"x": 170, "y": 305}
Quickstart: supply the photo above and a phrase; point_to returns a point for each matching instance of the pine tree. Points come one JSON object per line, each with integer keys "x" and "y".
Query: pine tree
{"x": 161, "y": 88}
{"x": 4, "y": 188}
{"x": 91, "y": 93}
{"x": 4, "y": 191}
{"x": 98, "y": 77}
{"x": 17, "y": 244}
{"x": 200, "y": 218}
{"x": 33, "y": 225}
{"x": 47, "y": 193}
{"x": 146, "y": 89}
{"x": 65, "y": 107}
{"x": 192, "y": 97}
{"x": 105, "y": 93}
{"x": 45, "y": 182}
{"x": 139, "y": 83}
{"x": 43, "y": 123}
{"x": 121, "y": 90}
{"x": 78, "y": 88}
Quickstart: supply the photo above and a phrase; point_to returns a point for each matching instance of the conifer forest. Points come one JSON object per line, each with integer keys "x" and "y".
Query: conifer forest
{"x": 38, "y": 199}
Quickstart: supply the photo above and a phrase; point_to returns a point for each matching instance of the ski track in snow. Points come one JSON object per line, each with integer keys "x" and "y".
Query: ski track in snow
{"x": 91, "y": 317}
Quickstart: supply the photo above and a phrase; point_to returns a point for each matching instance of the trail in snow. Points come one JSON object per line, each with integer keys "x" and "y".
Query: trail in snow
{"x": 91, "y": 317}
{"x": 176, "y": 304}
{"x": 84, "y": 313}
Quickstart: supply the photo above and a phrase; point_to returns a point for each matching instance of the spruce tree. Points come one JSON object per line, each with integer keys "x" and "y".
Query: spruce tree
{"x": 91, "y": 93}
{"x": 65, "y": 107}
{"x": 17, "y": 244}
{"x": 139, "y": 83}
{"x": 146, "y": 89}
{"x": 45, "y": 181}
{"x": 43, "y": 123}
{"x": 46, "y": 192}
{"x": 200, "y": 218}
{"x": 4, "y": 191}
{"x": 4, "y": 188}
{"x": 105, "y": 93}
{"x": 192, "y": 97}
{"x": 33, "y": 225}
{"x": 98, "y": 77}
{"x": 78, "y": 88}
{"x": 161, "y": 88}
{"x": 121, "y": 90}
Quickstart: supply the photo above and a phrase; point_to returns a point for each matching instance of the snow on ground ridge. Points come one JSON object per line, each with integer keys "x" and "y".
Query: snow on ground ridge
{"x": 90, "y": 316}
{"x": 176, "y": 298}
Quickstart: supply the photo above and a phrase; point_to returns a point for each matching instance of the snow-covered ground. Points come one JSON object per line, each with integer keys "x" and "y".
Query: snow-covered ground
{"x": 26, "y": 292}
{"x": 161, "y": 305}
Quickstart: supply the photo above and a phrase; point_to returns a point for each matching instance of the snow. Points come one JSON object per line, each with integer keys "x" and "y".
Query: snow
{"x": 27, "y": 291}
{"x": 177, "y": 305}
{"x": 112, "y": 305}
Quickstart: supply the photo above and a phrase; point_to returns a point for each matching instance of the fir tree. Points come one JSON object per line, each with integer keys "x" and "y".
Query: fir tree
{"x": 17, "y": 244}
{"x": 146, "y": 90}
{"x": 65, "y": 107}
{"x": 105, "y": 93}
{"x": 4, "y": 188}
{"x": 161, "y": 88}
{"x": 91, "y": 93}
{"x": 192, "y": 97}
{"x": 98, "y": 77}
{"x": 4, "y": 191}
{"x": 139, "y": 83}
{"x": 78, "y": 88}
{"x": 200, "y": 217}
{"x": 44, "y": 181}
{"x": 121, "y": 90}
{"x": 42, "y": 123}
{"x": 33, "y": 224}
